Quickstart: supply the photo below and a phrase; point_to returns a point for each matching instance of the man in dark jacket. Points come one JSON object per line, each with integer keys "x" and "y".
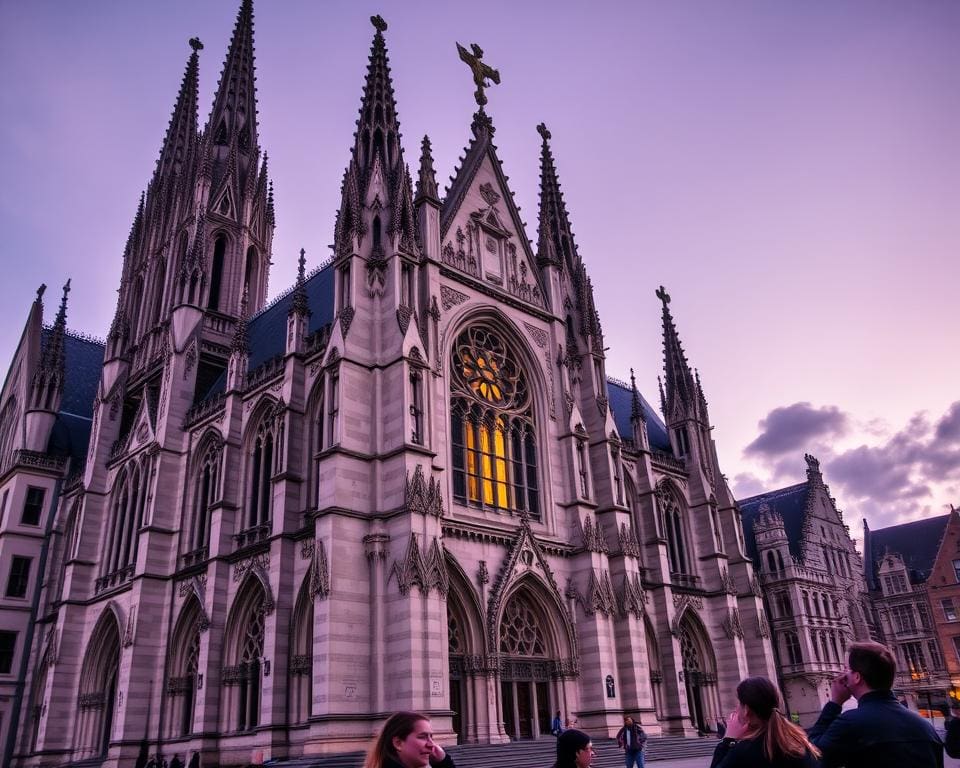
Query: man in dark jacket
{"x": 631, "y": 740}
{"x": 880, "y": 732}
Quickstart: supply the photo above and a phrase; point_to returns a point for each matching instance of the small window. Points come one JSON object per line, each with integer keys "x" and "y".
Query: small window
{"x": 949, "y": 610}
{"x": 8, "y": 642}
{"x": 3, "y": 505}
{"x": 416, "y": 406}
{"x": 956, "y": 570}
{"x": 33, "y": 506}
{"x": 19, "y": 576}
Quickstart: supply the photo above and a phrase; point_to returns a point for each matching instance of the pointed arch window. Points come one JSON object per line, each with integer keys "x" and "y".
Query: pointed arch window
{"x": 243, "y": 680}
{"x": 674, "y": 530}
{"x": 261, "y": 473}
{"x": 493, "y": 433}
{"x": 206, "y": 493}
{"x": 127, "y": 504}
{"x": 251, "y": 269}
{"x": 216, "y": 271}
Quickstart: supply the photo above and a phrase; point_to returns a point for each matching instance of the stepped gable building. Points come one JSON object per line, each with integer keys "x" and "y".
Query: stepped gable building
{"x": 813, "y": 587}
{"x": 943, "y": 589}
{"x": 899, "y": 561}
{"x": 407, "y": 483}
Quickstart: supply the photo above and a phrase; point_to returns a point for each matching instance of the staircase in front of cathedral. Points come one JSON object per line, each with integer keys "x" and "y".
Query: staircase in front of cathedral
{"x": 523, "y": 754}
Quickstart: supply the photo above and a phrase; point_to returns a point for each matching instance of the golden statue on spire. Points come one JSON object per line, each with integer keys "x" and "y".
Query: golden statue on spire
{"x": 481, "y": 72}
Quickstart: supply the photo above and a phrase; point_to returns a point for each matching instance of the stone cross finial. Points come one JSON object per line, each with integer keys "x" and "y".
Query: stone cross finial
{"x": 378, "y": 23}
{"x": 196, "y": 44}
{"x": 542, "y": 130}
{"x": 481, "y": 72}
{"x": 663, "y": 295}
{"x": 303, "y": 261}
{"x": 40, "y": 291}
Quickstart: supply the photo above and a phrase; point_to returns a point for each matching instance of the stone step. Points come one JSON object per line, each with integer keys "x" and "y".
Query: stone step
{"x": 522, "y": 754}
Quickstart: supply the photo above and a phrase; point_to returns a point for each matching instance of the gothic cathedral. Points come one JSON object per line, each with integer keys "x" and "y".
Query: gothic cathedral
{"x": 407, "y": 483}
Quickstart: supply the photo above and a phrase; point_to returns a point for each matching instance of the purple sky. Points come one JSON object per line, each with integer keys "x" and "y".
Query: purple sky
{"x": 790, "y": 171}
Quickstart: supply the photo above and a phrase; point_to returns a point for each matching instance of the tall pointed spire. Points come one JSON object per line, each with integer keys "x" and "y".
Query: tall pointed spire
{"x": 378, "y": 129}
{"x": 555, "y": 244}
{"x": 49, "y": 376}
{"x": 241, "y": 337}
{"x": 427, "y": 179}
{"x": 679, "y": 398}
{"x": 637, "y": 411}
{"x": 234, "y": 113}
{"x": 181, "y": 137}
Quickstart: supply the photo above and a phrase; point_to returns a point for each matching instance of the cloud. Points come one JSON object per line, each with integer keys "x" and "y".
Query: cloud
{"x": 746, "y": 485}
{"x": 888, "y": 478}
{"x": 948, "y": 428}
{"x": 791, "y": 428}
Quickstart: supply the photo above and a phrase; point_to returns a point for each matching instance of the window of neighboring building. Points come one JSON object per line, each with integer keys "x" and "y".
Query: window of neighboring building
{"x": 924, "y": 615}
{"x": 19, "y": 575}
{"x": 8, "y": 641}
{"x": 783, "y": 605}
{"x": 913, "y": 656}
{"x": 936, "y": 658}
{"x": 3, "y": 505}
{"x": 956, "y": 570}
{"x": 956, "y": 645}
{"x": 949, "y": 610}
{"x": 792, "y": 643}
{"x": 904, "y": 619}
{"x": 896, "y": 583}
{"x": 33, "y": 506}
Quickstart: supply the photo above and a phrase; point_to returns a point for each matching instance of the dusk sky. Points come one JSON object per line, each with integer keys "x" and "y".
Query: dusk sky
{"x": 790, "y": 171}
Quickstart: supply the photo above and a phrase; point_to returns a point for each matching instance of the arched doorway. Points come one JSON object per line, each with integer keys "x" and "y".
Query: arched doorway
{"x": 465, "y": 641}
{"x": 699, "y": 673}
{"x": 530, "y": 666}
{"x": 98, "y": 690}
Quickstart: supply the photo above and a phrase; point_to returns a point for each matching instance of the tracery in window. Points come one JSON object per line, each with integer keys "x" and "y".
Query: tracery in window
{"x": 492, "y": 426}
{"x": 520, "y": 631}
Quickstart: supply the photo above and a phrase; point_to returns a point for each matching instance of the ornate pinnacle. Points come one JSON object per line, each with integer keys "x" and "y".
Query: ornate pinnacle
{"x": 378, "y": 23}
{"x": 241, "y": 340}
{"x": 40, "y": 291}
{"x": 542, "y": 130}
{"x": 481, "y": 71}
{"x": 300, "y": 306}
{"x": 636, "y": 405}
{"x": 427, "y": 180}
{"x": 196, "y": 44}
{"x": 62, "y": 314}
{"x": 663, "y": 296}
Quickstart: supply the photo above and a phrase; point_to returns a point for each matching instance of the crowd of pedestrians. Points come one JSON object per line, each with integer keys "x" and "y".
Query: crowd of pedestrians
{"x": 878, "y": 733}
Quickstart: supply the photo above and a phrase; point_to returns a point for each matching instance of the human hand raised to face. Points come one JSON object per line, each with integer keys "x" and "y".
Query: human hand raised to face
{"x": 438, "y": 754}
{"x": 840, "y": 690}
{"x": 737, "y": 726}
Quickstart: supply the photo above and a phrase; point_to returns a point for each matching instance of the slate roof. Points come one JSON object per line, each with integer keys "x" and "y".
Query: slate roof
{"x": 620, "y": 397}
{"x": 916, "y": 542}
{"x": 83, "y": 362}
{"x": 789, "y": 502}
{"x": 267, "y": 330}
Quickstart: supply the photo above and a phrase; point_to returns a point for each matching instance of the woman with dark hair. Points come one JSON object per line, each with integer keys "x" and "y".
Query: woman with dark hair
{"x": 574, "y": 750}
{"x": 406, "y": 741}
{"x": 760, "y": 735}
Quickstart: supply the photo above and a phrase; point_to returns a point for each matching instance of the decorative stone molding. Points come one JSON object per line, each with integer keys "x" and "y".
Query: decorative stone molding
{"x": 130, "y": 630}
{"x": 404, "y": 313}
{"x": 240, "y": 568}
{"x": 763, "y": 626}
{"x": 425, "y": 573}
{"x": 421, "y": 497}
{"x": 593, "y": 538}
{"x": 95, "y": 700}
{"x": 629, "y": 545}
{"x": 346, "y": 318}
{"x": 632, "y": 597}
{"x": 376, "y": 273}
{"x": 375, "y": 546}
{"x": 602, "y": 599}
{"x": 301, "y": 664}
{"x": 319, "y": 573}
{"x": 729, "y": 583}
{"x": 755, "y": 586}
{"x": 483, "y": 575}
{"x": 538, "y": 335}
{"x": 602, "y": 405}
{"x": 53, "y": 647}
{"x": 306, "y": 549}
{"x": 450, "y": 298}
{"x": 731, "y": 624}
{"x": 681, "y": 602}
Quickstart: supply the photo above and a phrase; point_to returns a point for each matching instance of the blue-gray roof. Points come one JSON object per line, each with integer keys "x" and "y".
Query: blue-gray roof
{"x": 790, "y": 503}
{"x": 620, "y": 397}
{"x": 917, "y": 543}
{"x": 83, "y": 363}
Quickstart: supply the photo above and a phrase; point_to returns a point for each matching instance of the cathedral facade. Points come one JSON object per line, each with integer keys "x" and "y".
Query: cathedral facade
{"x": 407, "y": 483}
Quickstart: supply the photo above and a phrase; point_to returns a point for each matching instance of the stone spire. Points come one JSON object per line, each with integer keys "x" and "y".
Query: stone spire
{"x": 637, "y": 411}
{"x": 234, "y": 114}
{"x": 241, "y": 338}
{"x": 49, "y": 376}
{"x": 555, "y": 245}
{"x": 427, "y": 179}
{"x": 679, "y": 398}
{"x": 181, "y": 138}
{"x": 814, "y": 477}
{"x": 376, "y": 155}
{"x": 299, "y": 305}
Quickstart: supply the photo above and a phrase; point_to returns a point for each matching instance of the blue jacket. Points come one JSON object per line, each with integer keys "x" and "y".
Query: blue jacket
{"x": 879, "y": 733}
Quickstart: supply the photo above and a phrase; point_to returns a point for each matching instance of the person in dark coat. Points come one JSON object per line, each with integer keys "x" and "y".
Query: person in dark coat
{"x": 879, "y": 733}
{"x": 195, "y": 760}
{"x": 175, "y": 762}
{"x": 631, "y": 739}
{"x": 406, "y": 741}
{"x": 574, "y": 750}
{"x": 760, "y": 735}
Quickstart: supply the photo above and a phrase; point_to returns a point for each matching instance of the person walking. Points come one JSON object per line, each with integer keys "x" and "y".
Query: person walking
{"x": 631, "y": 739}
{"x": 759, "y": 735}
{"x": 574, "y": 750}
{"x": 556, "y": 727}
{"x": 406, "y": 741}
{"x": 880, "y": 732}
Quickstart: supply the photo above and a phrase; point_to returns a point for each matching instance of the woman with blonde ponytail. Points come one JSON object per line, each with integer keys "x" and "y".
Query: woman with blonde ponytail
{"x": 760, "y": 735}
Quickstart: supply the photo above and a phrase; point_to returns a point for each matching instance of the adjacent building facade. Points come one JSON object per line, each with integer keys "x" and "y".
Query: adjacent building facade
{"x": 813, "y": 586}
{"x": 943, "y": 589}
{"x": 409, "y": 482}
{"x": 900, "y": 562}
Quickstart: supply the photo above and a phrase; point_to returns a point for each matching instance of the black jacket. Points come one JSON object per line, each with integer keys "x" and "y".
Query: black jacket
{"x": 749, "y": 754}
{"x": 879, "y": 733}
{"x": 638, "y": 739}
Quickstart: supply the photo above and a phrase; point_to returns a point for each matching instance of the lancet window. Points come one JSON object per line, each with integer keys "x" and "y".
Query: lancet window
{"x": 127, "y": 504}
{"x": 261, "y": 472}
{"x": 521, "y": 632}
{"x": 216, "y": 272}
{"x": 492, "y": 426}
{"x": 674, "y": 532}
{"x": 206, "y": 493}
